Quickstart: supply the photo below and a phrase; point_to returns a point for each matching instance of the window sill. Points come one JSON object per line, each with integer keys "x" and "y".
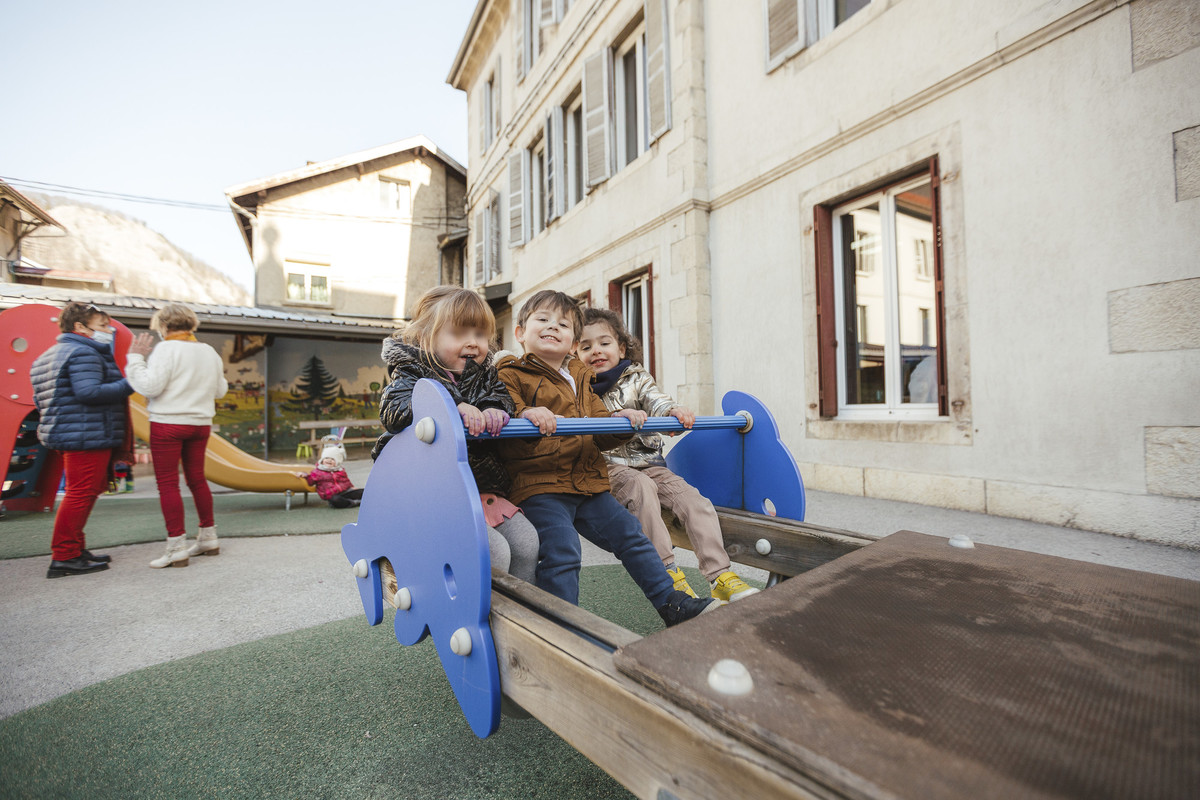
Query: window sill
{"x": 940, "y": 431}
{"x": 306, "y": 304}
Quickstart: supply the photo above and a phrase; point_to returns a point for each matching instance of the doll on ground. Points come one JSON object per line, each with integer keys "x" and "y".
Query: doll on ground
{"x": 638, "y": 472}
{"x": 332, "y": 482}
{"x": 448, "y": 341}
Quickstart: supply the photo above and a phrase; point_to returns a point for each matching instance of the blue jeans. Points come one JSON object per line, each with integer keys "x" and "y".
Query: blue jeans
{"x": 561, "y": 519}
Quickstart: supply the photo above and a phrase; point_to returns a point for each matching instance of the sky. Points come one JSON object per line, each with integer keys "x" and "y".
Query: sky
{"x": 178, "y": 101}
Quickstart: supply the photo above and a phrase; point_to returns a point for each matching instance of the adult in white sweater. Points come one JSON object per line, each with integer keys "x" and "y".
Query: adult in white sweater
{"x": 180, "y": 380}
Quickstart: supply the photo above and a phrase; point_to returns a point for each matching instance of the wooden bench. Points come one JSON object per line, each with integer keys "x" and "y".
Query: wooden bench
{"x": 337, "y": 427}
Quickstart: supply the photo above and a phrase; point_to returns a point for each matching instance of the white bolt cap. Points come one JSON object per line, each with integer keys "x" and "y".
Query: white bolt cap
{"x": 460, "y": 642}
{"x": 14, "y": 396}
{"x": 361, "y": 568}
{"x": 763, "y": 547}
{"x": 426, "y": 429}
{"x": 12, "y": 371}
{"x": 730, "y": 677}
{"x": 961, "y": 540}
{"x": 402, "y": 599}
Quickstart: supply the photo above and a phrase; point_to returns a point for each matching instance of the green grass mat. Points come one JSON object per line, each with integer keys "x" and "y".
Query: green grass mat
{"x": 118, "y": 520}
{"x": 289, "y": 716}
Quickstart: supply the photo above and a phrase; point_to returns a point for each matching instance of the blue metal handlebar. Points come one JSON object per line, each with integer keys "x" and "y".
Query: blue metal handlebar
{"x": 578, "y": 426}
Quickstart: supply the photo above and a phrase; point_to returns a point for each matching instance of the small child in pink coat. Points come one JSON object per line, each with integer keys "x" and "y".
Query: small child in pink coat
{"x": 331, "y": 480}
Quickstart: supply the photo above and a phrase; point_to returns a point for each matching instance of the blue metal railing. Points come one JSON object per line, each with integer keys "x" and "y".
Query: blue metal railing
{"x": 579, "y": 426}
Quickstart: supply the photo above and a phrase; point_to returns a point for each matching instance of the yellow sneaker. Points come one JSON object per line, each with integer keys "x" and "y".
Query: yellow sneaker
{"x": 681, "y": 583}
{"x": 729, "y": 587}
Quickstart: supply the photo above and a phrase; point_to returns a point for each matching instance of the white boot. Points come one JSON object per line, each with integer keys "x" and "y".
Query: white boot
{"x": 206, "y": 543}
{"x": 176, "y": 554}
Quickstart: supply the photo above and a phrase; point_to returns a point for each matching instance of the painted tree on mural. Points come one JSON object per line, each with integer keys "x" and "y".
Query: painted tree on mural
{"x": 315, "y": 389}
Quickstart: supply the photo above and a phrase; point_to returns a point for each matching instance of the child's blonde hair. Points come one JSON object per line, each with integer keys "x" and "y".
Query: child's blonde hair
{"x": 442, "y": 306}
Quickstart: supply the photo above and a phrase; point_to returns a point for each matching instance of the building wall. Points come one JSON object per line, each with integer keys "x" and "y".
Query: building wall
{"x": 1067, "y": 146}
{"x": 378, "y": 260}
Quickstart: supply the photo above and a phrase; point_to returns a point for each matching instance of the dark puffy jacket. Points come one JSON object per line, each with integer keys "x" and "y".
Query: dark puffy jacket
{"x": 477, "y": 386}
{"x": 80, "y": 395}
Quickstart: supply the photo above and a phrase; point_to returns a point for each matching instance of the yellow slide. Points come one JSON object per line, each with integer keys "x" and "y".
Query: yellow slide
{"x": 227, "y": 464}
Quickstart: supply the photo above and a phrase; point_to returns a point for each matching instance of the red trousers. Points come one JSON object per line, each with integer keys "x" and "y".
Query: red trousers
{"x": 170, "y": 444}
{"x": 87, "y": 477}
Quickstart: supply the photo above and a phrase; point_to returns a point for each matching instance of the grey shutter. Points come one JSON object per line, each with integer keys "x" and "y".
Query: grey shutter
{"x": 480, "y": 217}
{"x": 658, "y": 69}
{"x": 519, "y": 37}
{"x": 547, "y": 15}
{"x": 597, "y": 116}
{"x": 516, "y": 197}
{"x": 785, "y": 29}
{"x": 555, "y": 164}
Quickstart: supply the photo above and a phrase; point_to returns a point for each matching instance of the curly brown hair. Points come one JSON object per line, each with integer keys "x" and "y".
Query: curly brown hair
{"x": 604, "y": 316}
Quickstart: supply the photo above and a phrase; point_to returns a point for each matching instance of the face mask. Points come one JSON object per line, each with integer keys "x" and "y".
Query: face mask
{"x": 102, "y": 337}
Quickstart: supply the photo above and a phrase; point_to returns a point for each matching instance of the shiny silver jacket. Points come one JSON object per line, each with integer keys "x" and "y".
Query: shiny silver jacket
{"x": 636, "y": 389}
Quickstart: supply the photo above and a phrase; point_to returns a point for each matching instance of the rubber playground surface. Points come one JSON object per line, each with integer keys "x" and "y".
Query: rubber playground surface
{"x": 254, "y": 674}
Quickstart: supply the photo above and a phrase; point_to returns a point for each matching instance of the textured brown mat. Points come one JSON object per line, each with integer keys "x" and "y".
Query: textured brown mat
{"x": 914, "y": 669}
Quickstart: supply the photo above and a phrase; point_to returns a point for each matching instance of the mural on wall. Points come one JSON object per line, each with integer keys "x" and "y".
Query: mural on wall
{"x": 241, "y": 414}
{"x": 311, "y": 380}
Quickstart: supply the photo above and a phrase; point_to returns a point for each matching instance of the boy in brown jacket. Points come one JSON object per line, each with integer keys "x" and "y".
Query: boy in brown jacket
{"x": 561, "y": 482}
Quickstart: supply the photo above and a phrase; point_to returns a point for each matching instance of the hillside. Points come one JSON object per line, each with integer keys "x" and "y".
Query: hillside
{"x": 141, "y": 261}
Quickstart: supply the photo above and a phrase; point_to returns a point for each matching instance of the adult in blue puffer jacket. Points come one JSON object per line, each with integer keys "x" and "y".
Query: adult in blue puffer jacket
{"x": 81, "y": 396}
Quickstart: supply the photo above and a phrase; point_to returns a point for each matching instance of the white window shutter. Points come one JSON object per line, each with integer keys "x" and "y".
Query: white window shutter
{"x": 517, "y": 169}
{"x": 658, "y": 68}
{"x": 547, "y": 14}
{"x": 496, "y": 118}
{"x": 519, "y": 37}
{"x": 785, "y": 23}
{"x": 480, "y": 235}
{"x": 556, "y": 164}
{"x": 494, "y": 235}
{"x": 483, "y": 118}
{"x": 597, "y": 117}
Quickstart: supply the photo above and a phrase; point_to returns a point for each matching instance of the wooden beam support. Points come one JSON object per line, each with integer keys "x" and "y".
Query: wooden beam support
{"x": 795, "y": 546}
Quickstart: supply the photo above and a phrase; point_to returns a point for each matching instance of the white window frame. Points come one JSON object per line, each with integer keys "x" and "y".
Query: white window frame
{"x": 395, "y": 194}
{"x": 623, "y": 105}
{"x": 487, "y": 242}
{"x": 638, "y": 285}
{"x": 309, "y": 270}
{"x": 572, "y": 165}
{"x": 535, "y": 180}
{"x": 886, "y": 263}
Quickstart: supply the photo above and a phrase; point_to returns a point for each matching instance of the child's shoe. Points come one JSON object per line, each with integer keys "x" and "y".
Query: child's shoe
{"x": 681, "y": 584}
{"x": 729, "y": 587}
{"x": 680, "y": 608}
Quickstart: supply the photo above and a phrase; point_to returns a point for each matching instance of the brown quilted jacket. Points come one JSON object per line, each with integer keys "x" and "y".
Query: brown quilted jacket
{"x": 554, "y": 464}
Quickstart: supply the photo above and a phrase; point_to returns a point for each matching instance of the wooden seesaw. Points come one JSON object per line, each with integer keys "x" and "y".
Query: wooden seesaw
{"x": 909, "y": 666}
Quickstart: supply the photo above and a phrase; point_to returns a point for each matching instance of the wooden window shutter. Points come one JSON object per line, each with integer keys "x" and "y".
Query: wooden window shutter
{"x": 658, "y": 68}
{"x": 518, "y": 7}
{"x": 785, "y": 29}
{"x": 555, "y": 164}
{"x": 827, "y": 344}
{"x": 517, "y": 170}
{"x": 547, "y": 14}
{"x": 935, "y": 182}
{"x": 597, "y": 116}
{"x": 483, "y": 118}
{"x": 480, "y": 236}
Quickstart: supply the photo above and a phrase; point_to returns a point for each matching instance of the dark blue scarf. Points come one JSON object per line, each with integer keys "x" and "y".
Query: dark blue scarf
{"x": 608, "y": 379}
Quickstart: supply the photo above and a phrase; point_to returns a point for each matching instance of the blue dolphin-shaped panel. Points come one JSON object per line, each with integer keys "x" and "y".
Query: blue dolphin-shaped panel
{"x": 743, "y": 470}
{"x": 421, "y": 511}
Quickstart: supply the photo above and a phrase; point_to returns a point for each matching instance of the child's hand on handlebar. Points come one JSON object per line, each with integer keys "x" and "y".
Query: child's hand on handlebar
{"x": 472, "y": 418}
{"x": 636, "y": 418}
{"x": 684, "y": 415}
{"x": 543, "y": 418}
{"x": 494, "y": 419}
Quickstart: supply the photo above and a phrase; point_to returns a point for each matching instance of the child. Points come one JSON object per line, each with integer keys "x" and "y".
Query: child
{"x": 332, "y": 482}
{"x": 638, "y": 472}
{"x": 561, "y": 482}
{"x": 448, "y": 341}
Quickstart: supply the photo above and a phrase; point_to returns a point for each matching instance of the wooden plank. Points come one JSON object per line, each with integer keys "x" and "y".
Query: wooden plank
{"x": 917, "y": 669}
{"x": 796, "y": 547}
{"x": 649, "y": 745}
